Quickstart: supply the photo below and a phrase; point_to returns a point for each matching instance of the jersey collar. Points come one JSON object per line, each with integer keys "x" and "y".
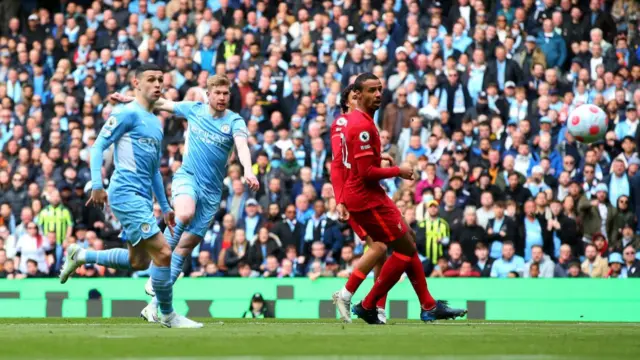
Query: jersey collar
{"x": 364, "y": 114}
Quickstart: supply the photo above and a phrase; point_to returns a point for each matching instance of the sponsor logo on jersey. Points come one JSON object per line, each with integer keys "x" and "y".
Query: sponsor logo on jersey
{"x": 365, "y": 147}
{"x": 225, "y": 128}
{"x": 364, "y": 136}
{"x": 145, "y": 228}
{"x": 111, "y": 122}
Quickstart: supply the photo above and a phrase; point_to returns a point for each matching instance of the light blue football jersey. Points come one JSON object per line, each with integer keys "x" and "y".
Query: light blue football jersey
{"x": 208, "y": 144}
{"x": 137, "y": 135}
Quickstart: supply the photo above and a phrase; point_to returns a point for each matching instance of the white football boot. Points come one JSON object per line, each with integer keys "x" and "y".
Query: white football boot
{"x": 174, "y": 320}
{"x": 344, "y": 306}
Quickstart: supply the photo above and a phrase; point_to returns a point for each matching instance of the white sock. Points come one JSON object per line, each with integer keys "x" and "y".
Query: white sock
{"x": 345, "y": 294}
{"x": 82, "y": 256}
{"x": 166, "y": 317}
{"x": 154, "y": 301}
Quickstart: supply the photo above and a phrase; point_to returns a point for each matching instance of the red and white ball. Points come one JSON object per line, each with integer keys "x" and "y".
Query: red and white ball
{"x": 587, "y": 123}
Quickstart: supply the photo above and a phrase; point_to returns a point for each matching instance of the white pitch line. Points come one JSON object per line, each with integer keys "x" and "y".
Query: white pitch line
{"x": 367, "y": 357}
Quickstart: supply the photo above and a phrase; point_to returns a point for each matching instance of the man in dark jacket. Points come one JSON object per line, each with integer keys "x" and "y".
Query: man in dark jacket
{"x": 631, "y": 265}
{"x": 596, "y": 18}
{"x": 502, "y": 70}
{"x": 456, "y": 98}
{"x": 16, "y": 196}
{"x": 289, "y": 230}
{"x": 515, "y": 191}
{"x": 500, "y": 229}
{"x": 484, "y": 262}
{"x": 274, "y": 195}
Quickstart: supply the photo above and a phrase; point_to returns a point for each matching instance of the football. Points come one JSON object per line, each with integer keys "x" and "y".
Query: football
{"x": 587, "y": 123}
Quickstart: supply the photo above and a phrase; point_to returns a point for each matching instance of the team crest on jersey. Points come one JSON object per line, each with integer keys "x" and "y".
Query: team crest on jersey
{"x": 225, "y": 128}
{"x": 145, "y": 228}
{"x": 341, "y": 121}
{"x": 365, "y": 137}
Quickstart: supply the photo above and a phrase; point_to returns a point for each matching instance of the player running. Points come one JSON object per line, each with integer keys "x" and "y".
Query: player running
{"x": 137, "y": 135}
{"x": 371, "y": 208}
{"x": 375, "y": 256}
{"x": 197, "y": 186}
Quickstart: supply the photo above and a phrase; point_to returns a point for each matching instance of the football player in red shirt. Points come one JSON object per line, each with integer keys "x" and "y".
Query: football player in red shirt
{"x": 368, "y": 204}
{"x": 375, "y": 256}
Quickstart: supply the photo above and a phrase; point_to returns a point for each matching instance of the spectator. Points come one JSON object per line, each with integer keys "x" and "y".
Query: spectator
{"x": 263, "y": 245}
{"x": 398, "y": 115}
{"x": 631, "y": 266}
{"x": 508, "y": 262}
{"x": 432, "y": 235}
{"x": 271, "y": 268}
{"x": 346, "y": 262}
{"x": 468, "y": 233}
{"x": 32, "y": 246}
{"x": 618, "y": 217}
{"x": 564, "y": 260}
{"x": 484, "y": 263}
{"x": 628, "y": 237}
{"x": 16, "y": 196}
{"x": 320, "y": 228}
{"x": 574, "y": 271}
{"x": 499, "y": 229}
{"x": 56, "y": 217}
{"x": 543, "y": 263}
{"x": 534, "y": 231}
{"x": 236, "y": 254}
{"x": 594, "y": 265}
{"x": 552, "y": 45}
{"x": 466, "y": 270}
{"x": 615, "y": 266}
{"x": 224, "y": 240}
{"x": 252, "y": 220}
{"x": 258, "y": 308}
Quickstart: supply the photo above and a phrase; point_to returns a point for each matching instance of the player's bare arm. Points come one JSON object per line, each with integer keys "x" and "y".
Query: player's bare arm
{"x": 161, "y": 104}
{"x": 244, "y": 154}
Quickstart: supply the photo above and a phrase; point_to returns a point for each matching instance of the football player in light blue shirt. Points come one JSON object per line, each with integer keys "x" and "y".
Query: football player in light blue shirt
{"x": 137, "y": 136}
{"x": 197, "y": 186}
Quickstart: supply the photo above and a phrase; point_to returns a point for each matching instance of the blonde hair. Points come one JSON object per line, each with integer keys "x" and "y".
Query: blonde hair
{"x": 218, "y": 80}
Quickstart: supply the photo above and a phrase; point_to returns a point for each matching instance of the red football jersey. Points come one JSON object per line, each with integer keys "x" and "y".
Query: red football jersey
{"x": 338, "y": 170}
{"x": 362, "y": 190}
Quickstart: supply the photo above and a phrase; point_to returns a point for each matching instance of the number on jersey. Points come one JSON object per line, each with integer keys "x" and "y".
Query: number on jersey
{"x": 345, "y": 151}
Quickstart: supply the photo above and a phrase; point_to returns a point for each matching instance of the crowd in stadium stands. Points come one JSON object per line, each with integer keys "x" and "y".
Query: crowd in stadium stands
{"x": 477, "y": 94}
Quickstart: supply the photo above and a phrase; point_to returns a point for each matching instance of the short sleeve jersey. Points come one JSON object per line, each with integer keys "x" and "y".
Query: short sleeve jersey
{"x": 338, "y": 169}
{"x": 208, "y": 144}
{"x": 137, "y": 135}
{"x": 362, "y": 139}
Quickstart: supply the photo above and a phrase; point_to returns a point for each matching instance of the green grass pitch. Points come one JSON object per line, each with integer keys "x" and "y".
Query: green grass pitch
{"x": 322, "y": 340}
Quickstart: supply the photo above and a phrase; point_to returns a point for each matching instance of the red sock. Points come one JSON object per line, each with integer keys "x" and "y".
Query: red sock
{"x": 355, "y": 279}
{"x": 393, "y": 268}
{"x": 415, "y": 272}
{"x": 382, "y": 302}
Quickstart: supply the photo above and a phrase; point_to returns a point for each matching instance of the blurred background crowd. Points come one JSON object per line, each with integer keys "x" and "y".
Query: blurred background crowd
{"x": 477, "y": 94}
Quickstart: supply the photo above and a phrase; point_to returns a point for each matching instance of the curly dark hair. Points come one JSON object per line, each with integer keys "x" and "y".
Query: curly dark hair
{"x": 344, "y": 98}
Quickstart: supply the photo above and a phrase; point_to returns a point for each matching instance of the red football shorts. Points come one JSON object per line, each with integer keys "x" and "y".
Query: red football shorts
{"x": 383, "y": 223}
{"x": 357, "y": 228}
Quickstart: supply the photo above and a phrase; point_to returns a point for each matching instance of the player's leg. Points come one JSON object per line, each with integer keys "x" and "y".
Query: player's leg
{"x": 132, "y": 225}
{"x": 367, "y": 262}
{"x": 160, "y": 252}
{"x": 403, "y": 259}
{"x": 184, "y": 202}
{"x": 381, "y": 304}
{"x": 191, "y": 237}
